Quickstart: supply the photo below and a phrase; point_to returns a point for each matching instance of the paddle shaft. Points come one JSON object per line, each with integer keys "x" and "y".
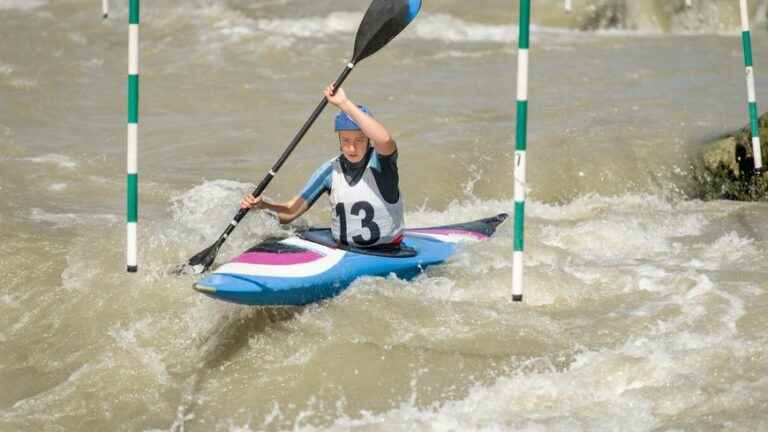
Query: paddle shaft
{"x": 272, "y": 172}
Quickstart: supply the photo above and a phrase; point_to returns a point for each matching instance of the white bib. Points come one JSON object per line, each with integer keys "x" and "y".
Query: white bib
{"x": 361, "y": 215}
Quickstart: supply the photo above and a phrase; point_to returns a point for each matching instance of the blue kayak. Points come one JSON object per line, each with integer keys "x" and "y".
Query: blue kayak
{"x": 310, "y": 266}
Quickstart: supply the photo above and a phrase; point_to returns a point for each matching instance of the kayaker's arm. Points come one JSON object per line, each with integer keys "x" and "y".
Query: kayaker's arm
{"x": 372, "y": 128}
{"x": 286, "y": 212}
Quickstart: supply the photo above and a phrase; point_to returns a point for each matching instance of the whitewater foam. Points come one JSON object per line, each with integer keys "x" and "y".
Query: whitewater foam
{"x": 21, "y": 4}
{"x": 57, "y": 187}
{"x": 450, "y": 29}
{"x": 59, "y": 160}
{"x": 62, "y": 220}
{"x": 128, "y": 340}
{"x": 204, "y": 210}
{"x": 599, "y": 387}
{"x": 334, "y": 23}
{"x": 24, "y": 83}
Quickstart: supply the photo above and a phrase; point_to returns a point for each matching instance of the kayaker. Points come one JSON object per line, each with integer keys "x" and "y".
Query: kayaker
{"x": 362, "y": 182}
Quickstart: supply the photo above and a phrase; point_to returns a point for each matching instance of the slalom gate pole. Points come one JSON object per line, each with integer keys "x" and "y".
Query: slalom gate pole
{"x": 132, "y": 189}
{"x": 520, "y": 148}
{"x": 746, "y": 44}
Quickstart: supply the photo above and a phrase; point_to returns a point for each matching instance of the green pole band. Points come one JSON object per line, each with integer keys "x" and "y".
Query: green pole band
{"x": 522, "y": 126}
{"x": 133, "y": 192}
{"x": 753, "y": 119}
{"x": 133, "y": 98}
{"x": 746, "y": 42}
{"x": 525, "y": 19}
{"x": 133, "y": 15}
{"x": 519, "y": 220}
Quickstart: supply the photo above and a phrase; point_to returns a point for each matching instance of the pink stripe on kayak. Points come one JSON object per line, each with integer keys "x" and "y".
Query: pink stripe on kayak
{"x": 450, "y": 232}
{"x": 277, "y": 258}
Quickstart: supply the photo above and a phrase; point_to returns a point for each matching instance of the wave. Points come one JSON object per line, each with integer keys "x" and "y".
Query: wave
{"x": 60, "y": 161}
{"x": 333, "y": 23}
{"x": 452, "y": 29}
{"x": 62, "y": 220}
{"x": 21, "y": 4}
{"x": 454, "y": 23}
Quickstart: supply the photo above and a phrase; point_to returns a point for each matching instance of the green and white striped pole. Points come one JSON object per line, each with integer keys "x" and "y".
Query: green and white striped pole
{"x": 105, "y": 8}
{"x": 746, "y": 43}
{"x": 133, "y": 128}
{"x": 520, "y": 148}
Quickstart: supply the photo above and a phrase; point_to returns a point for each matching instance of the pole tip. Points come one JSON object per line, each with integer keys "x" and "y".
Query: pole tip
{"x": 517, "y": 297}
{"x": 132, "y": 269}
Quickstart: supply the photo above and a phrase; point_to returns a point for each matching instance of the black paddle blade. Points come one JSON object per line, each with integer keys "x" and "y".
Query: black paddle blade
{"x": 384, "y": 20}
{"x": 199, "y": 263}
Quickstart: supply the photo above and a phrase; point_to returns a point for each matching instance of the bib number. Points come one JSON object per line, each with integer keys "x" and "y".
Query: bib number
{"x": 367, "y": 223}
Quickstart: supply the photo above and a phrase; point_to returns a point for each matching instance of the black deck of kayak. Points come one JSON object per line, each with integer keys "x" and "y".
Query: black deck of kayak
{"x": 323, "y": 237}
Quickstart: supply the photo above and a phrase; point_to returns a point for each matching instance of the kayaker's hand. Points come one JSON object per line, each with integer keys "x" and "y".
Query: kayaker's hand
{"x": 250, "y": 201}
{"x": 338, "y": 99}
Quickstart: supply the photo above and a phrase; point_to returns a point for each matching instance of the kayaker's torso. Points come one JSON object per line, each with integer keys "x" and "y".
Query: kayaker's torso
{"x": 366, "y": 206}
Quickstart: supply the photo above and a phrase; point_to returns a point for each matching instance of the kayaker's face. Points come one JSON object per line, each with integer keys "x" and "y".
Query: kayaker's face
{"x": 354, "y": 145}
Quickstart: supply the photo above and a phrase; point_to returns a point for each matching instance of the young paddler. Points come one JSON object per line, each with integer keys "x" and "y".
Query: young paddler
{"x": 362, "y": 182}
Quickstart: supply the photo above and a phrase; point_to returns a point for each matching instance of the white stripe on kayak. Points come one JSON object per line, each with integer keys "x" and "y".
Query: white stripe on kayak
{"x": 447, "y": 238}
{"x": 329, "y": 260}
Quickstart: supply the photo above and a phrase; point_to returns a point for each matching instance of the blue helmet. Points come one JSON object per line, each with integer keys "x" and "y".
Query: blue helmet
{"x": 344, "y": 122}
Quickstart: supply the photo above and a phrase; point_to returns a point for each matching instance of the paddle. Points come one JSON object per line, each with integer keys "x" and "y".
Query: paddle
{"x": 383, "y": 20}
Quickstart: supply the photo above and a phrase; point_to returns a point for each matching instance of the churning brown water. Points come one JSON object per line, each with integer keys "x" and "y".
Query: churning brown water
{"x": 645, "y": 309}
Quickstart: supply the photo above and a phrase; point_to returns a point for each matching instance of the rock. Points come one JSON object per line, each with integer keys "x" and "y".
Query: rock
{"x": 734, "y": 152}
{"x": 744, "y": 140}
{"x": 728, "y": 171}
{"x": 721, "y": 154}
